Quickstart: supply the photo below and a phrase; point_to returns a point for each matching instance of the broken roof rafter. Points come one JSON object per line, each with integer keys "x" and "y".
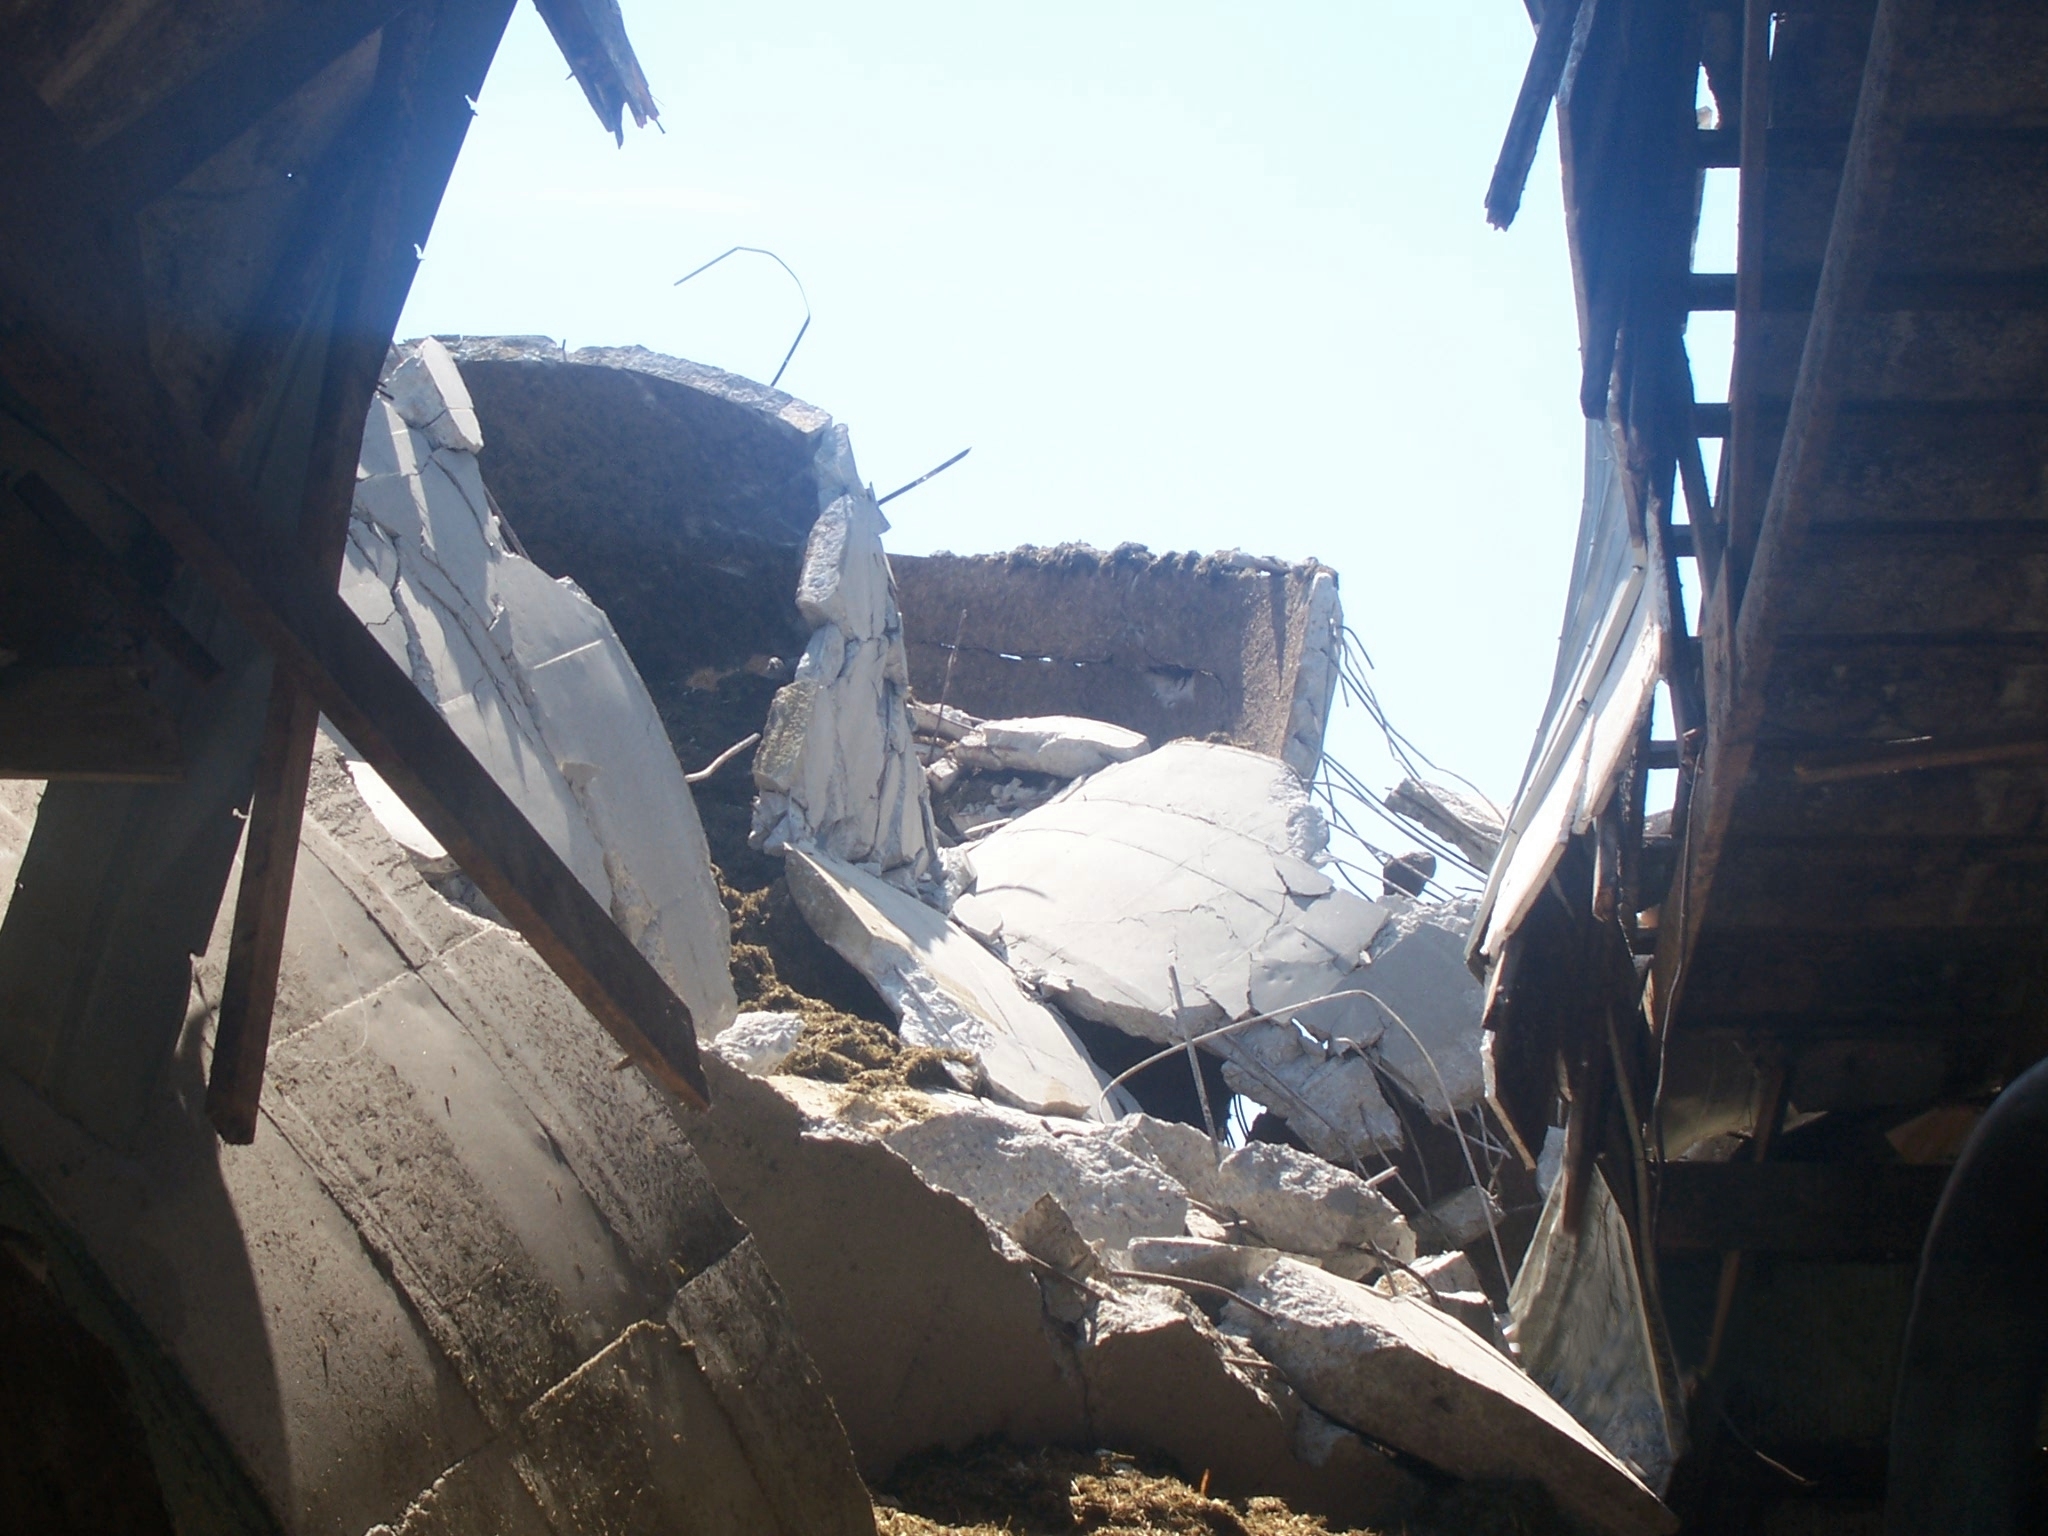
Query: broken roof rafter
{"x": 592, "y": 37}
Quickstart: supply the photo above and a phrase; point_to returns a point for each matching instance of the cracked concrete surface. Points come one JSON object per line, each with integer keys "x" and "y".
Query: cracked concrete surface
{"x": 533, "y": 678}
{"x": 1180, "y": 891}
{"x": 1183, "y": 890}
{"x": 467, "y": 1276}
{"x": 837, "y": 770}
{"x": 947, "y": 992}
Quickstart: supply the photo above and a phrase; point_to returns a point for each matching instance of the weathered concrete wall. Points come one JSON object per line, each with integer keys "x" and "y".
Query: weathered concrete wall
{"x": 1170, "y": 645}
{"x": 469, "y": 1278}
{"x": 677, "y": 496}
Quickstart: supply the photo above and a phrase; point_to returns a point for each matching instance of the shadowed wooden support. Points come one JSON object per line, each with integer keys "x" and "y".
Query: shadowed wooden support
{"x": 368, "y": 177}
{"x": 241, "y": 1039}
{"x": 378, "y": 212}
{"x": 67, "y": 346}
{"x": 162, "y": 465}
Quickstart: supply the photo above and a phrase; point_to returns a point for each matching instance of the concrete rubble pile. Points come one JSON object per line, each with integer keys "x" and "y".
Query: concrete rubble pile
{"x": 1085, "y": 873}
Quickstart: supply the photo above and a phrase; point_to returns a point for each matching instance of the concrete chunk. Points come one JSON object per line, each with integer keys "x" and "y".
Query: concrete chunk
{"x": 1303, "y": 1204}
{"x": 947, "y": 991}
{"x": 837, "y": 769}
{"x": 759, "y": 1043}
{"x": 1064, "y": 746}
{"x": 1001, "y": 1161}
{"x": 1471, "y": 826}
{"x": 931, "y": 1328}
{"x": 1196, "y": 864}
{"x": 1403, "y": 1373}
{"x": 427, "y": 390}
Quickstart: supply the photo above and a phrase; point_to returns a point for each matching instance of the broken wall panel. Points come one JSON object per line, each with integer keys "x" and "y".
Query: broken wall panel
{"x": 1225, "y": 646}
{"x": 532, "y": 676}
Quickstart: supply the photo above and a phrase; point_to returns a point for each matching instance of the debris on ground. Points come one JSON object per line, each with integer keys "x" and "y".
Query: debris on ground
{"x": 998, "y": 1491}
{"x": 1000, "y": 862}
{"x": 993, "y": 1489}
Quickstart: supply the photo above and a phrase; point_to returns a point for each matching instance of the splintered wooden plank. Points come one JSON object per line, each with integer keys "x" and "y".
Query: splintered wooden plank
{"x": 84, "y": 723}
{"x": 1809, "y": 1210}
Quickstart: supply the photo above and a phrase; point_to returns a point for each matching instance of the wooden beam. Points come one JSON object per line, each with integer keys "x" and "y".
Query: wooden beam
{"x": 1739, "y": 513}
{"x": 94, "y": 401}
{"x": 1710, "y": 290}
{"x": 1745, "y": 611}
{"x": 102, "y": 565}
{"x": 1799, "y": 1210}
{"x": 131, "y": 434}
{"x": 394, "y": 158}
{"x": 1540, "y": 83}
{"x": 1882, "y": 757}
{"x": 1717, "y": 148}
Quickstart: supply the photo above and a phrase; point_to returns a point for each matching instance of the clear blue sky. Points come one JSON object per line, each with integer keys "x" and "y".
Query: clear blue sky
{"x": 1195, "y": 276}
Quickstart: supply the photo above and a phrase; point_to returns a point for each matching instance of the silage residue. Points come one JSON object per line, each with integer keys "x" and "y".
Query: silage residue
{"x": 779, "y": 965}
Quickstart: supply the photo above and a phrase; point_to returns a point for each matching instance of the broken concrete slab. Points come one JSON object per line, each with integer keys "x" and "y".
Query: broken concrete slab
{"x": 1001, "y": 1161}
{"x": 454, "y": 1211}
{"x": 1196, "y": 865}
{"x": 678, "y": 496}
{"x": 1228, "y": 1265}
{"x": 1162, "y": 1376}
{"x": 1402, "y": 1372}
{"x": 1168, "y": 646}
{"x": 1197, "y": 859}
{"x": 924, "y": 1330}
{"x": 948, "y": 992}
{"x": 533, "y": 678}
{"x": 941, "y": 721}
{"x": 1472, "y": 826}
{"x": 1419, "y": 975}
{"x": 837, "y": 768}
{"x": 1460, "y": 1219}
{"x": 1178, "y": 892}
{"x": 1301, "y": 1203}
{"x": 1064, "y": 746}
{"x": 426, "y": 388}
{"x": 932, "y": 1328}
